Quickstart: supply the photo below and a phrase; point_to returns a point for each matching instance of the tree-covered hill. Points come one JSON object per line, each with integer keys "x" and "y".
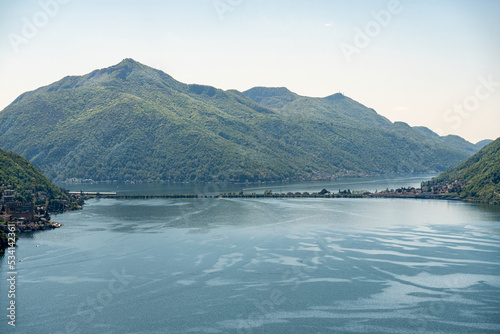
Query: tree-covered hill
{"x": 132, "y": 122}
{"x": 340, "y": 110}
{"x": 483, "y": 143}
{"x": 478, "y": 178}
{"x": 17, "y": 173}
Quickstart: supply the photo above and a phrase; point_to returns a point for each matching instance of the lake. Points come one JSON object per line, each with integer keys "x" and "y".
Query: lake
{"x": 261, "y": 265}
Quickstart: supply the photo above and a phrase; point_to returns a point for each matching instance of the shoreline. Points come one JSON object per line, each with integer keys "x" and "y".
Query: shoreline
{"x": 450, "y": 197}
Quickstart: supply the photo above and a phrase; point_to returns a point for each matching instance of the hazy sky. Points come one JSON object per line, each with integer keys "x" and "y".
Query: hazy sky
{"x": 427, "y": 62}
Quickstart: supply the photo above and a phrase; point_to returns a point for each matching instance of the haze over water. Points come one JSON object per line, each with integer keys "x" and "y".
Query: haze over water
{"x": 263, "y": 265}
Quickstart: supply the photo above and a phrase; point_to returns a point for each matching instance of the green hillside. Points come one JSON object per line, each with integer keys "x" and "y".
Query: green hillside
{"x": 339, "y": 110}
{"x": 17, "y": 173}
{"x": 478, "y": 178}
{"x": 132, "y": 122}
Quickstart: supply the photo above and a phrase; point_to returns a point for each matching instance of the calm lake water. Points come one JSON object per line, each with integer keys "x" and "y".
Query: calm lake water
{"x": 262, "y": 265}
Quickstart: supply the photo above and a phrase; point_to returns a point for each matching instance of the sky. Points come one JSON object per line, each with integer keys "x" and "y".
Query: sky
{"x": 433, "y": 63}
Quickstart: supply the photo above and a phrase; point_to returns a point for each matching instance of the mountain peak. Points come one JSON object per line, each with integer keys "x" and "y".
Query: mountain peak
{"x": 335, "y": 97}
{"x": 270, "y": 92}
{"x": 271, "y": 97}
{"x": 128, "y": 71}
{"x": 128, "y": 62}
{"x": 128, "y": 75}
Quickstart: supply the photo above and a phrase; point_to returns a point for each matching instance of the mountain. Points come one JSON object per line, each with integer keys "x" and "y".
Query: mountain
{"x": 336, "y": 108}
{"x": 478, "y": 178}
{"x": 341, "y": 110}
{"x": 483, "y": 143}
{"x": 17, "y": 173}
{"x": 132, "y": 122}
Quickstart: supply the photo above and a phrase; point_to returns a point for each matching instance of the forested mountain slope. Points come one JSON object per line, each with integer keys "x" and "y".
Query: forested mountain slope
{"x": 132, "y": 122}
{"x": 478, "y": 178}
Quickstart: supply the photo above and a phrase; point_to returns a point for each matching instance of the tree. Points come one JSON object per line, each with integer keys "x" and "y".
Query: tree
{"x": 324, "y": 192}
{"x": 18, "y": 198}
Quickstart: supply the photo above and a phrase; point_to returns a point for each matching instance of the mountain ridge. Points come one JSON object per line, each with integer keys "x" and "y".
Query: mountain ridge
{"x": 338, "y": 102}
{"x": 132, "y": 122}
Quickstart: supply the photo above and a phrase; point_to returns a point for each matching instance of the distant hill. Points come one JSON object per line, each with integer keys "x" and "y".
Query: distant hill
{"x": 483, "y": 143}
{"x": 17, "y": 173}
{"x": 132, "y": 122}
{"x": 479, "y": 175}
{"x": 339, "y": 110}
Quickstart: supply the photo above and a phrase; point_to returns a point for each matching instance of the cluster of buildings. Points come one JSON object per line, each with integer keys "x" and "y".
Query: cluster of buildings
{"x": 448, "y": 191}
{"x": 24, "y": 215}
{"x": 454, "y": 186}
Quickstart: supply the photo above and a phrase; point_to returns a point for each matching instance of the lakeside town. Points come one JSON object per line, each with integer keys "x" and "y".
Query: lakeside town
{"x": 29, "y": 215}
{"x": 447, "y": 191}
